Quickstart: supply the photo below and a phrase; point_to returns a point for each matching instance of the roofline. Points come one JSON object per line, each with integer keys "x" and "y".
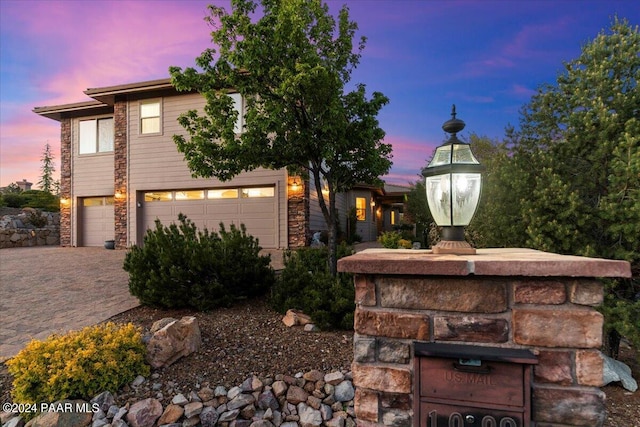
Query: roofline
{"x": 107, "y": 94}
{"x": 130, "y": 88}
{"x": 55, "y": 112}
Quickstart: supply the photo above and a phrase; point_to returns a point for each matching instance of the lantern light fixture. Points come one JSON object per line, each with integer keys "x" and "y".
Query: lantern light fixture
{"x": 453, "y": 180}
{"x": 295, "y": 184}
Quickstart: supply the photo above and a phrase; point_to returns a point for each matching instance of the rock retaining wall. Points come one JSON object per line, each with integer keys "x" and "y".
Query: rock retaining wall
{"x": 17, "y": 231}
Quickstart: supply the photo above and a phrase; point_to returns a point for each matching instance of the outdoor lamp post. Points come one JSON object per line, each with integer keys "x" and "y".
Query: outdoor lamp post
{"x": 453, "y": 183}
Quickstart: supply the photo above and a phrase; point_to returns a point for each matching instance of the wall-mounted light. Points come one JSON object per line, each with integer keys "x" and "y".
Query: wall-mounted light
{"x": 295, "y": 184}
{"x": 65, "y": 202}
{"x": 119, "y": 195}
{"x": 453, "y": 183}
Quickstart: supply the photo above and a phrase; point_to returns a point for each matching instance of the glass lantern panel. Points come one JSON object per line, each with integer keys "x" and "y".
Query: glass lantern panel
{"x": 465, "y": 188}
{"x": 466, "y": 195}
{"x": 438, "y": 198}
{"x": 462, "y": 154}
{"x": 442, "y": 156}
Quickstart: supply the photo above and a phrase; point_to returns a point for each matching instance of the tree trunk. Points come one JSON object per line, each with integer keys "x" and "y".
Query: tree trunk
{"x": 333, "y": 238}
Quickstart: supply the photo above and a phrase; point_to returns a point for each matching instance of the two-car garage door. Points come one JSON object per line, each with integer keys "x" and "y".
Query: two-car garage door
{"x": 255, "y": 207}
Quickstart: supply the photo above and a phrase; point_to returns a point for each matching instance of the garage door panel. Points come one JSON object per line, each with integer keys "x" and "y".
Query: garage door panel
{"x": 229, "y": 209}
{"x": 97, "y": 221}
{"x": 195, "y": 209}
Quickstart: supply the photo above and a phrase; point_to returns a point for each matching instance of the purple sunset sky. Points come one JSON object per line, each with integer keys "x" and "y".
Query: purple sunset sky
{"x": 487, "y": 57}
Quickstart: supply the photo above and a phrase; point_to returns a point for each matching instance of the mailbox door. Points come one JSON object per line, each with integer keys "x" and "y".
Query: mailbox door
{"x": 489, "y": 382}
{"x": 443, "y": 415}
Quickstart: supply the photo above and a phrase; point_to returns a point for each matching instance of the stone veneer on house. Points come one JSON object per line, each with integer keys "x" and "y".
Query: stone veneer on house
{"x": 298, "y": 212}
{"x": 121, "y": 178}
{"x": 508, "y": 298}
{"x": 65, "y": 182}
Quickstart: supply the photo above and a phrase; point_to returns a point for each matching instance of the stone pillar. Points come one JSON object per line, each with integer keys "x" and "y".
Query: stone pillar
{"x": 297, "y": 212}
{"x": 66, "y": 201}
{"x": 507, "y": 298}
{"x": 121, "y": 189}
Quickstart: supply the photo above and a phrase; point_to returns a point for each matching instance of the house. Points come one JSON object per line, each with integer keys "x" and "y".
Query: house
{"x": 121, "y": 170}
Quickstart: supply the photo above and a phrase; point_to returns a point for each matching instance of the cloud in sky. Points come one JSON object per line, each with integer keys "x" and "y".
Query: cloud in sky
{"x": 424, "y": 55}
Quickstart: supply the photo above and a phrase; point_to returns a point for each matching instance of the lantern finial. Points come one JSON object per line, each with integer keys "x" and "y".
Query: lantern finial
{"x": 453, "y": 125}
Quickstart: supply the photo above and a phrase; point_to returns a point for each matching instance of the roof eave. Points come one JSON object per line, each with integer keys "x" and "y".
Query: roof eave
{"x": 108, "y": 94}
{"x": 57, "y": 112}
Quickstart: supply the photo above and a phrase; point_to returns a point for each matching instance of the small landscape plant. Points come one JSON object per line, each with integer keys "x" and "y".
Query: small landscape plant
{"x": 78, "y": 365}
{"x": 305, "y": 284}
{"x": 390, "y": 239}
{"x": 180, "y": 266}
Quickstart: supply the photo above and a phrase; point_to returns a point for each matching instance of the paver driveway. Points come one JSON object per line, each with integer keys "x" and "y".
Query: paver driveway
{"x": 50, "y": 289}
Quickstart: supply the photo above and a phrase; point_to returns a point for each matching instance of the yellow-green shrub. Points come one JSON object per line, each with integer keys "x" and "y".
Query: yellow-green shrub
{"x": 79, "y": 364}
{"x": 405, "y": 244}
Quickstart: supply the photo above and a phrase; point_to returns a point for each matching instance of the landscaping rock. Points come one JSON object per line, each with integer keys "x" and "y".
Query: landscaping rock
{"x": 209, "y": 417}
{"x": 171, "y": 414}
{"x": 344, "y": 391}
{"x": 175, "y": 339}
{"x": 614, "y": 370}
{"x": 63, "y": 417}
{"x": 144, "y": 413}
{"x": 295, "y": 318}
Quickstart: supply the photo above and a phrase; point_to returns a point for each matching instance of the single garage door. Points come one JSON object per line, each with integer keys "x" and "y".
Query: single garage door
{"x": 255, "y": 207}
{"x": 97, "y": 221}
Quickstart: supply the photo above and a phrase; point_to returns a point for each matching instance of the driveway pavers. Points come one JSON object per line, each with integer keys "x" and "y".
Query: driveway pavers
{"x": 50, "y": 289}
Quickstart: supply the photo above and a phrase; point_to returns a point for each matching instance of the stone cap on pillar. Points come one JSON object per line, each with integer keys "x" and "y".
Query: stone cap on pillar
{"x": 486, "y": 262}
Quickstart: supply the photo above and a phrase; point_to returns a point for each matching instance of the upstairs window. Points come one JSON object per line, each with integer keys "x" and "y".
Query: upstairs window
{"x": 150, "y": 117}
{"x": 96, "y": 136}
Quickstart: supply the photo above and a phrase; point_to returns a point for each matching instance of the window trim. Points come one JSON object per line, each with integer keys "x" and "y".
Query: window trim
{"x": 159, "y": 116}
{"x": 97, "y": 135}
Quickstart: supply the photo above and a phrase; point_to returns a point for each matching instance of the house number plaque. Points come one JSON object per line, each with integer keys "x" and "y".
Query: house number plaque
{"x": 456, "y": 419}
{"x": 443, "y": 415}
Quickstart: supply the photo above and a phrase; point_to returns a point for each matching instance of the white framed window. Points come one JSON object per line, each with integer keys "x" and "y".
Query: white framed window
{"x": 96, "y": 136}
{"x": 150, "y": 117}
{"x": 238, "y": 106}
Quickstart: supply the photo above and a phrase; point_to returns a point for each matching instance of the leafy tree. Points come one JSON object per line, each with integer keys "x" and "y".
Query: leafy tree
{"x": 577, "y": 159}
{"x": 292, "y": 67}
{"x": 498, "y": 221}
{"x": 47, "y": 182}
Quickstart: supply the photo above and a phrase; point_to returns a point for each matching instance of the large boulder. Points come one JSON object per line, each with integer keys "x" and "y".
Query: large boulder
{"x": 171, "y": 340}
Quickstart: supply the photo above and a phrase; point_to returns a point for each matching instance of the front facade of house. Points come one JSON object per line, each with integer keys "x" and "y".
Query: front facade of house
{"x": 121, "y": 171}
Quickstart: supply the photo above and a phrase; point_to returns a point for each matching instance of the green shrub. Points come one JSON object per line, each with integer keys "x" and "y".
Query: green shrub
{"x": 12, "y": 200}
{"x": 181, "y": 266}
{"x": 33, "y": 199}
{"x": 390, "y": 239}
{"x": 78, "y": 365}
{"x": 305, "y": 284}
